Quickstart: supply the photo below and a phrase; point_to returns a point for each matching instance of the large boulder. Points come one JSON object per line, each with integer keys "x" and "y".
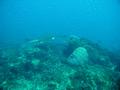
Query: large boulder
{"x": 78, "y": 57}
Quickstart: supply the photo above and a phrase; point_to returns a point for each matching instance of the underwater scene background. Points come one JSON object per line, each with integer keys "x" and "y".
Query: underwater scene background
{"x": 60, "y": 45}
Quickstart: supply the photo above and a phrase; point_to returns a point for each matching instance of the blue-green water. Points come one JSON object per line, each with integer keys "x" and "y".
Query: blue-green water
{"x": 97, "y": 20}
{"x": 59, "y": 44}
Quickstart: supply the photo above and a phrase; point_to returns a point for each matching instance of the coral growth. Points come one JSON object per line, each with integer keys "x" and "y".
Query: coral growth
{"x": 73, "y": 63}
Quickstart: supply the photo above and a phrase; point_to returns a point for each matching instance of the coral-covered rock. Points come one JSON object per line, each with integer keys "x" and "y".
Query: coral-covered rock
{"x": 76, "y": 64}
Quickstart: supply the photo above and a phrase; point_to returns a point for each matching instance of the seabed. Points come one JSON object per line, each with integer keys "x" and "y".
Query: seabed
{"x": 59, "y": 63}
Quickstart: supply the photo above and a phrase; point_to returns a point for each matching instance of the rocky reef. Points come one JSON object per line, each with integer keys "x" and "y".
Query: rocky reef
{"x": 59, "y": 63}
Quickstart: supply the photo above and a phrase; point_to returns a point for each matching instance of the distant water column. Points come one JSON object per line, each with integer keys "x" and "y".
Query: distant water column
{"x": 119, "y": 16}
{"x": 1, "y": 21}
{"x": 119, "y": 24}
